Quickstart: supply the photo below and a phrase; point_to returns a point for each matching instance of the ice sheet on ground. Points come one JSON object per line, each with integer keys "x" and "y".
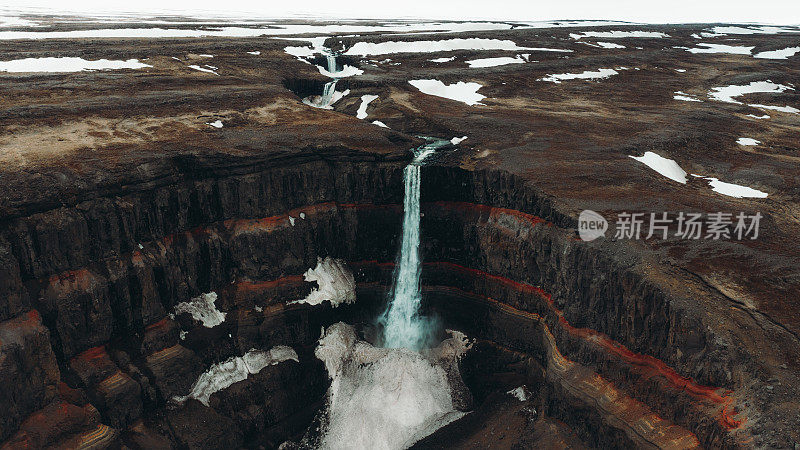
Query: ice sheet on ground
{"x": 665, "y": 166}
{"x": 362, "y": 109}
{"x": 203, "y": 309}
{"x": 224, "y": 374}
{"x": 382, "y": 48}
{"x": 493, "y": 62}
{"x": 618, "y": 34}
{"x": 586, "y": 75}
{"x": 67, "y": 64}
{"x": 460, "y": 91}
{"x": 335, "y": 281}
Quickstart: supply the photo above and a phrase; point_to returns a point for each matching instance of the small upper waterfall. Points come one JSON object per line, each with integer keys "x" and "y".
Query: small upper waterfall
{"x": 329, "y": 91}
{"x": 402, "y": 324}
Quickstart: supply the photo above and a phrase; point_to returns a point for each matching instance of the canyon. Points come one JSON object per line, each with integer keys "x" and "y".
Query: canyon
{"x": 122, "y": 199}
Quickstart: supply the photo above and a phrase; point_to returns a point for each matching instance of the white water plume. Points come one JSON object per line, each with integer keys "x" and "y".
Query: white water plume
{"x": 382, "y": 398}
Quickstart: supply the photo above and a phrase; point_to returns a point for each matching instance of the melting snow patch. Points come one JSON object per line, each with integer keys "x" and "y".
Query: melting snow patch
{"x": 786, "y": 109}
{"x": 457, "y": 140}
{"x": 335, "y": 280}
{"x": 347, "y": 71}
{"x": 721, "y": 48}
{"x": 202, "y": 309}
{"x": 256, "y": 53}
{"x": 679, "y": 95}
{"x": 207, "y": 68}
{"x": 215, "y": 124}
{"x": 520, "y": 393}
{"x": 665, "y": 166}
{"x": 610, "y": 45}
{"x": 235, "y": 369}
{"x": 291, "y": 220}
{"x": 732, "y": 190}
{"x": 587, "y": 75}
{"x": 67, "y": 64}
{"x": 382, "y": 48}
{"x": 680, "y": 70}
{"x": 765, "y": 116}
{"x": 618, "y": 34}
{"x": 461, "y": 91}
{"x": 379, "y": 123}
{"x": 723, "y": 30}
{"x": 362, "y": 109}
{"x": 747, "y": 141}
{"x": 778, "y": 54}
{"x": 442, "y": 60}
{"x": 727, "y": 94}
{"x": 493, "y": 62}
{"x": 205, "y": 55}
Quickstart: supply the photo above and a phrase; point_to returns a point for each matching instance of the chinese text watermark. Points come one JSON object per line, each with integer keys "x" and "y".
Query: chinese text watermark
{"x": 663, "y": 225}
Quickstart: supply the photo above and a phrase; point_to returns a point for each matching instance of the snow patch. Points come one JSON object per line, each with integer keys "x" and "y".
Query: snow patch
{"x": 235, "y": 369}
{"x": 679, "y": 95}
{"x": 521, "y": 393}
{"x": 273, "y": 29}
{"x": 379, "y": 123}
{"x": 255, "y": 53}
{"x": 587, "y": 75}
{"x": 202, "y": 309}
{"x": 446, "y": 45}
{"x": 207, "y": 68}
{"x": 335, "y": 280}
{"x": 727, "y": 94}
{"x": 493, "y": 62}
{"x": 732, "y": 190}
{"x": 347, "y": 71}
{"x": 461, "y": 91}
{"x": 215, "y": 124}
{"x": 747, "y": 141}
{"x": 724, "y": 30}
{"x": 721, "y": 48}
{"x": 457, "y": 140}
{"x": 67, "y": 64}
{"x": 665, "y": 166}
{"x": 442, "y": 60}
{"x": 362, "y": 109}
{"x": 765, "y": 116}
{"x": 778, "y": 54}
{"x": 618, "y": 34}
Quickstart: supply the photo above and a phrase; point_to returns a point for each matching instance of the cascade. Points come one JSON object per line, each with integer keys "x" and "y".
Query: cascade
{"x": 403, "y": 326}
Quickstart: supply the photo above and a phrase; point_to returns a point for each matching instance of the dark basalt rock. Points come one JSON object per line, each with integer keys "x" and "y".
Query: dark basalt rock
{"x": 102, "y": 233}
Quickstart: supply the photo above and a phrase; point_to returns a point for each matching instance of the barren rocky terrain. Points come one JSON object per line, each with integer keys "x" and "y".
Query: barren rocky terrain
{"x": 126, "y": 192}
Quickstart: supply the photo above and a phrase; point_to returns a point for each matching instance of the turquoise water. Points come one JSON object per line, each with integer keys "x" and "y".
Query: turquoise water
{"x": 402, "y": 324}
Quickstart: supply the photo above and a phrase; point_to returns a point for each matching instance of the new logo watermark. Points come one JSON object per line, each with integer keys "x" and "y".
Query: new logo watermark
{"x": 591, "y": 225}
{"x": 680, "y": 225}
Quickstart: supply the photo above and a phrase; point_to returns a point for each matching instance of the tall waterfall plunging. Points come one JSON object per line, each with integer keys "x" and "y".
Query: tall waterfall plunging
{"x": 402, "y": 324}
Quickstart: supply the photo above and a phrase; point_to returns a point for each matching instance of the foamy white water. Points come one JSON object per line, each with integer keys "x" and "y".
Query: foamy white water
{"x": 382, "y": 398}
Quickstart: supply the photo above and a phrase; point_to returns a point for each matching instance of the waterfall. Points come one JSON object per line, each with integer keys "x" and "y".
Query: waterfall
{"x": 402, "y": 324}
{"x": 329, "y": 91}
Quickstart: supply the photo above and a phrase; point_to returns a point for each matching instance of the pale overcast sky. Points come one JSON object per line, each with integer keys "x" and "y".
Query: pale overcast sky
{"x": 785, "y": 12}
